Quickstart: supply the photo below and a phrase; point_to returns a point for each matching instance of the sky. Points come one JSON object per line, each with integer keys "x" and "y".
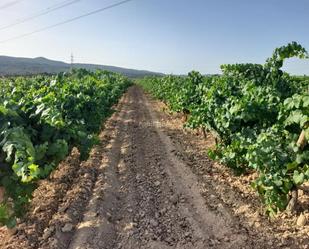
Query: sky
{"x": 169, "y": 36}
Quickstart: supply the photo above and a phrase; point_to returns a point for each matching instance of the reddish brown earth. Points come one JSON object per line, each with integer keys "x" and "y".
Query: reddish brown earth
{"x": 149, "y": 184}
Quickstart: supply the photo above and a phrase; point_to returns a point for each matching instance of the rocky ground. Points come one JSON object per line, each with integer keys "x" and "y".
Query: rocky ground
{"x": 149, "y": 184}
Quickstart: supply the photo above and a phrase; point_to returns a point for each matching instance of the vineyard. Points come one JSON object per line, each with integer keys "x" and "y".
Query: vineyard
{"x": 259, "y": 117}
{"x": 41, "y": 119}
{"x": 90, "y": 160}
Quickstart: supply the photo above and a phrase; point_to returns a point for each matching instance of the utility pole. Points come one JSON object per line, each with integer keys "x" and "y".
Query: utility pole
{"x": 72, "y": 61}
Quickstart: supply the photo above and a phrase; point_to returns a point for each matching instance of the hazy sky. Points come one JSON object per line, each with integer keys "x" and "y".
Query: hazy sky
{"x": 170, "y": 36}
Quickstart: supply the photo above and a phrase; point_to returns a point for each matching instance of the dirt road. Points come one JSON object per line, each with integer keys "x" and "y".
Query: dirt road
{"x": 149, "y": 198}
{"x": 135, "y": 191}
{"x": 146, "y": 197}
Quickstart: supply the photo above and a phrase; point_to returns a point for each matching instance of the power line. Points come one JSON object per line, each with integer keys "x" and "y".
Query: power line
{"x": 67, "y": 21}
{"x": 72, "y": 60}
{"x": 41, "y": 13}
{"x": 9, "y": 4}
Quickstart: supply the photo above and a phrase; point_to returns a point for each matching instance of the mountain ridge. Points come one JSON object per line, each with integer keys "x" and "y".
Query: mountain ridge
{"x": 11, "y": 66}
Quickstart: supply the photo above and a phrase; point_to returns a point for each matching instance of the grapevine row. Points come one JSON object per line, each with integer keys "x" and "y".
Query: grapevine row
{"x": 257, "y": 112}
{"x": 41, "y": 119}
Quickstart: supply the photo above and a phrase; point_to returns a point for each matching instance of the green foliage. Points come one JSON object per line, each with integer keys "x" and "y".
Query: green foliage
{"x": 257, "y": 111}
{"x": 42, "y": 118}
{"x": 19, "y": 150}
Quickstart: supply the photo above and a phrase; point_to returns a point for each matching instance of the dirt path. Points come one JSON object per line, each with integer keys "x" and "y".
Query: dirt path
{"x": 146, "y": 197}
{"x": 137, "y": 191}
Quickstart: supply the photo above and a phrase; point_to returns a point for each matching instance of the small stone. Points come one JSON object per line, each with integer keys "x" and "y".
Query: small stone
{"x": 48, "y": 232}
{"x": 12, "y": 231}
{"x": 22, "y": 237}
{"x": 109, "y": 216}
{"x": 257, "y": 224}
{"x": 251, "y": 223}
{"x": 62, "y": 209}
{"x": 226, "y": 239}
{"x": 153, "y": 223}
{"x": 37, "y": 209}
{"x": 67, "y": 228}
{"x": 301, "y": 220}
{"x": 54, "y": 243}
{"x": 174, "y": 199}
{"x": 187, "y": 234}
{"x": 157, "y": 183}
{"x": 163, "y": 210}
{"x": 212, "y": 242}
{"x": 138, "y": 177}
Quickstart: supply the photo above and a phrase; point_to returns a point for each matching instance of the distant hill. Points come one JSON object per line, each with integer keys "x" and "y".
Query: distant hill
{"x": 27, "y": 66}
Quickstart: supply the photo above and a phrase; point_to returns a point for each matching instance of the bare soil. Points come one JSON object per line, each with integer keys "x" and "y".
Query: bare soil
{"x": 149, "y": 184}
